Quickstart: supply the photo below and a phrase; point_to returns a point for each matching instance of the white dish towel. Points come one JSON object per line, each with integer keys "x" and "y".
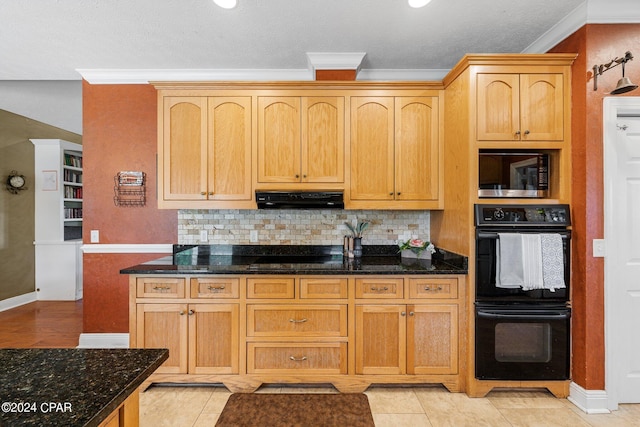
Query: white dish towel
{"x": 552, "y": 261}
{"x": 509, "y": 268}
{"x": 532, "y": 262}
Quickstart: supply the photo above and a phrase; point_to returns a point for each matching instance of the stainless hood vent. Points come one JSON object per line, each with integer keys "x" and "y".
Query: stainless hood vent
{"x": 300, "y": 199}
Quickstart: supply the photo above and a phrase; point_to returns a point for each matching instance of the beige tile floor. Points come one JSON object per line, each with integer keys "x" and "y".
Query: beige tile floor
{"x": 395, "y": 407}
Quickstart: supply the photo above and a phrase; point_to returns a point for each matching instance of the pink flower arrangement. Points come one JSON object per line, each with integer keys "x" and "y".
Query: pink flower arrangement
{"x": 417, "y": 246}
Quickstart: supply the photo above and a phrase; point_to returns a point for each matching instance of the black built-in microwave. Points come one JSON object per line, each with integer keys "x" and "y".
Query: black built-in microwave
{"x": 513, "y": 174}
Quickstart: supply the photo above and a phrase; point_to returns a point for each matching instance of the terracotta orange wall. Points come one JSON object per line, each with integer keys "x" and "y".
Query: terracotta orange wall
{"x": 119, "y": 134}
{"x": 595, "y": 44}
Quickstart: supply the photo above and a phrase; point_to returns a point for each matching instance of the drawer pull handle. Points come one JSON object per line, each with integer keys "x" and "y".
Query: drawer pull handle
{"x": 437, "y": 288}
{"x": 216, "y": 288}
{"x": 298, "y": 320}
{"x": 161, "y": 288}
{"x": 377, "y": 289}
{"x": 302, "y": 359}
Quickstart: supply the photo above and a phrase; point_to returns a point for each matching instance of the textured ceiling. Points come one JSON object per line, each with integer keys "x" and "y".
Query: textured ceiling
{"x": 51, "y": 39}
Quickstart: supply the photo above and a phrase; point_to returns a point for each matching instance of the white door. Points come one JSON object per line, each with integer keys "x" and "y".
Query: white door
{"x": 622, "y": 261}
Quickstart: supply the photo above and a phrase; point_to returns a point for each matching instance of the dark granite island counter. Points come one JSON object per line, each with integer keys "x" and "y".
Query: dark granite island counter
{"x": 73, "y": 387}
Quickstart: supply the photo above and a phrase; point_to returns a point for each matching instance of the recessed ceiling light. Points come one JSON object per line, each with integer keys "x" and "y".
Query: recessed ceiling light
{"x": 418, "y": 3}
{"x": 226, "y": 4}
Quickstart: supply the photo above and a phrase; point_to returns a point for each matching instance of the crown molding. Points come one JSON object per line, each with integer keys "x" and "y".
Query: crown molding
{"x": 402, "y": 75}
{"x": 119, "y": 77}
{"x": 144, "y": 76}
{"x": 563, "y": 29}
{"x": 335, "y": 60}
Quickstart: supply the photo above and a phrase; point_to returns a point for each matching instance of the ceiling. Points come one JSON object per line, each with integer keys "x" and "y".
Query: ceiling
{"x": 52, "y": 39}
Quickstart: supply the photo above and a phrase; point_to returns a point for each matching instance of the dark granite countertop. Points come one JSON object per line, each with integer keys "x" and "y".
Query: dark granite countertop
{"x": 70, "y": 387}
{"x": 292, "y": 259}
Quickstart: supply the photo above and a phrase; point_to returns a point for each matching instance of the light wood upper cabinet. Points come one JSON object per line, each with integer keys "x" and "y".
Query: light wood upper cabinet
{"x": 394, "y": 151}
{"x": 520, "y": 107}
{"x": 372, "y": 148}
{"x": 300, "y": 139}
{"x": 205, "y": 150}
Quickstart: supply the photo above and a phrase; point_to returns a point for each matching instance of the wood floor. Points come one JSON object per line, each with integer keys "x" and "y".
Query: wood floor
{"x": 42, "y": 324}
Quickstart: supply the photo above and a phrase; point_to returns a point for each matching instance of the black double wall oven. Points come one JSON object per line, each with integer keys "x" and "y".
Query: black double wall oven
{"x": 522, "y": 312}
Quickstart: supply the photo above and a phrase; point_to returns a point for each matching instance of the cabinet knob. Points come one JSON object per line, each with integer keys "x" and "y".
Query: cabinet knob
{"x": 402, "y": 313}
{"x": 411, "y": 313}
{"x": 398, "y": 193}
{"x": 203, "y": 193}
{"x": 191, "y": 312}
{"x": 181, "y": 312}
{"x": 297, "y": 176}
{"x": 211, "y": 193}
{"x": 391, "y": 194}
{"x": 527, "y": 132}
{"x": 517, "y": 132}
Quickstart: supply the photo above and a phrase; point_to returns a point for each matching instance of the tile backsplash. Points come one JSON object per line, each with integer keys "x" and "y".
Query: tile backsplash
{"x": 298, "y": 227}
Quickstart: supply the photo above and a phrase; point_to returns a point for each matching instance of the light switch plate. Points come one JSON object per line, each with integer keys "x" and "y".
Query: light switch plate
{"x": 253, "y": 236}
{"x": 95, "y": 236}
{"x": 204, "y": 236}
{"x": 599, "y": 248}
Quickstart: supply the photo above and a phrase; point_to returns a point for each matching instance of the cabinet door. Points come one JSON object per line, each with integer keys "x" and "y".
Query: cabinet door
{"x": 432, "y": 339}
{"x": 322, "y": 139}
{"x": 498, "y": 107}
{"x": 416, "y": 148}
{"x": 184, "y": 148}
{"x": 279, "y": 139}
{"x": 229, "y": 148}
{"x": 380, "y": 339}
{"x": 372, "y": 148}
{"x": 542, "y": 107}
{"x": 213, "y": 338}
{"x": 164, "y": 326}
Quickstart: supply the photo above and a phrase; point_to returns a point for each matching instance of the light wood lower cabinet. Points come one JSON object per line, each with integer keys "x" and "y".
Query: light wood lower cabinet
{"x": 350, "y": 331}
{"x": 201, "y": 338}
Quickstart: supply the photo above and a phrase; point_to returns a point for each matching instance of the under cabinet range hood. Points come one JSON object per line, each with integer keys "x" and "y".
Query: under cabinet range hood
{"x": 300, "y": 199}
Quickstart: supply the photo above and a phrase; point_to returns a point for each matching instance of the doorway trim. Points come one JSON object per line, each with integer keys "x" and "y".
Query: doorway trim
{"x": 612, "y": 108}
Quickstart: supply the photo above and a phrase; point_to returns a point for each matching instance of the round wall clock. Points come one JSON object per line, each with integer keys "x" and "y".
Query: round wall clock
{"x": 15, "y": 182}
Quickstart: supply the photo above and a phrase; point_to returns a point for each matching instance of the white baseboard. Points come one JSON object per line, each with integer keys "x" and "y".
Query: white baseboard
{"x": 9, "y": 303}
{"x": 589, "y": 401}
{"x": 104, "y": 341}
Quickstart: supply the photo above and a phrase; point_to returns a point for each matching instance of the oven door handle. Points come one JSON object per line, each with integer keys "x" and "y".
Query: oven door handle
{"x": 528, "y": 315}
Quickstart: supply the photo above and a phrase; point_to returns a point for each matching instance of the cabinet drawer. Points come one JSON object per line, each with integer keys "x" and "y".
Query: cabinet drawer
{"x": 308, "y": 358}
{"x": 275, "y": 287}
{"x": 323, "y": 288}
{"x": 296, "y": 320}
{"x": 160, "y": 287}
{"x": 218, "y": 287}
{"x": 379, "y": 288}
{"x": 433, "y": 288}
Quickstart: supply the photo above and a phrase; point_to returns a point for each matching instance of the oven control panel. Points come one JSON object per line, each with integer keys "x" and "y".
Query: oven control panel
{"x": 523, "y": 215}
